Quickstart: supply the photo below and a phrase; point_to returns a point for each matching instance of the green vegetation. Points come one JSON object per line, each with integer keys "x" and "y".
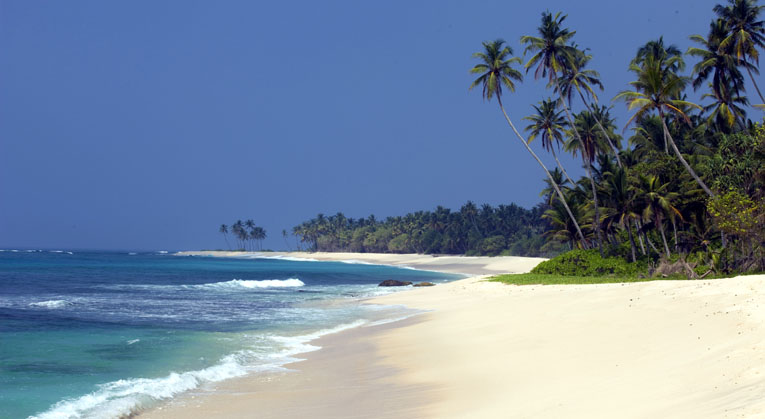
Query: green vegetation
{"x": 506, "y": 229}
{"x": 544, "y": 279}
{"x": 589, "y": 263}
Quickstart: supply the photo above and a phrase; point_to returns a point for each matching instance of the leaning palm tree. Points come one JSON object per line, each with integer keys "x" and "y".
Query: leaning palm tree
{"x": 548, "y": 125}
{"x": 577, "y": 77}
{"x": 496, "y": 70}
{"x": 587, "y": 143}
{"x": 656, "y": 89}
{"x": 745, "y": 33}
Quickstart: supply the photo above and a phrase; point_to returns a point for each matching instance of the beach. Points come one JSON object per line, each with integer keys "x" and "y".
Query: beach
{"x": 680, "y": 349}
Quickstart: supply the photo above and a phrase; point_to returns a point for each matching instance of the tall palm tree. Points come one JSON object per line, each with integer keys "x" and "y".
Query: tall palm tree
{"x": 284, "y": 235}
{"x": 548, "y": 124}
{"x": 576, "y": 76}
{"x": 496, "y": 70}
{"x": 586, "y": 143}
{"x": 745, "y": 34}
{"x": 656, "y": 89}
{"x": 552, "y": 54}
{"x": 224, "y": 230}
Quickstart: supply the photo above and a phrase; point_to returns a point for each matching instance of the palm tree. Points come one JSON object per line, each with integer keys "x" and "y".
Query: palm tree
{"x": 548, "y": 124}
{"x": 284, "y": 235}
{"x": 583, "y": 80}
{"x": 620, "y": 197}
{"x": 224, "y": 230}
{"x": 549, "y": 192}
{"x": 717, "y": 63}
{"x": 726, "y": 110}
{"x": 657, "y": 88}
{"x": 586, "y": 143}
{"x": 496, "y": 70}
{"x": 657, "y": 203}
{"x": 745, "y": 34}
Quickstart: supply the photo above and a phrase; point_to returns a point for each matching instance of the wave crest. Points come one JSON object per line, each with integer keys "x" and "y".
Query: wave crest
{"x": 235, "y": 284}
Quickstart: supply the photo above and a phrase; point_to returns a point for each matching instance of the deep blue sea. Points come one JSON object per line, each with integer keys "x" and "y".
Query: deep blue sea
{"x": 101, "y": 334}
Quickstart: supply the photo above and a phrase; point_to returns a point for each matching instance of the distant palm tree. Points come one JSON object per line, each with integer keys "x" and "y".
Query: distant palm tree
{"x": 284, "y": 235}
{"x": 657, "y": 89}
{"x": 745, "y": 34}
{"x": 496, "y": 70}
{"x": 224, "y": 230}
{"x": 548, "y": 125}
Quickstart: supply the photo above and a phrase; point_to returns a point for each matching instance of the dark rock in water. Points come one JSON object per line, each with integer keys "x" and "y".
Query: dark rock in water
{"x": 424, "y": 284}
{"x": 394, "y": 283}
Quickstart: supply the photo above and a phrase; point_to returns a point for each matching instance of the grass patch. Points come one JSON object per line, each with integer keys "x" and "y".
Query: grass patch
{"x": 546, "y": 279}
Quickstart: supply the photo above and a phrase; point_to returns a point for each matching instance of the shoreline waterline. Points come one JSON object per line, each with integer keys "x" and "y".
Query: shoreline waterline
{"x": 686, "y": 349}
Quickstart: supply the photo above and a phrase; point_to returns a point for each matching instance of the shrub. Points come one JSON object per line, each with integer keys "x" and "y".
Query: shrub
{"x": 588, "y": 263}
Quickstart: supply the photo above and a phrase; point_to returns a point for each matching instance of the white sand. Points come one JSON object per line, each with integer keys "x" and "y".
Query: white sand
{"x": 663, "y": 349}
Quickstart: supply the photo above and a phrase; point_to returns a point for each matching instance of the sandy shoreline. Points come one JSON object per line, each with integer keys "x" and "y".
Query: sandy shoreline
{"x": 687, "y": 349}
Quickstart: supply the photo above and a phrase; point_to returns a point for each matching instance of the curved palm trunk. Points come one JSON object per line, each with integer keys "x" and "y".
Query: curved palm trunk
{"x": 552, "y": 181}
{"x": 755, "y": 84}
{"x": 603, "y": 130}
{"x": 668, "y": 138}
{"x": 578, "y": 137}
{"x": 227, "y": 244}
{"x": 596, "y": 220}
{"x": 560, "y": 166}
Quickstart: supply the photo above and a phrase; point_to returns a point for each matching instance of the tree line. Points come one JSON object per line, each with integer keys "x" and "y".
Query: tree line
{"x": 473, "y": 230}
{"x": 690, "y": 183}
{"x": 248, "y": 235}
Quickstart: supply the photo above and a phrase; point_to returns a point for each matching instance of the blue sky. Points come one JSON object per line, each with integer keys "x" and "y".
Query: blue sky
{"x": 145, "y": 125}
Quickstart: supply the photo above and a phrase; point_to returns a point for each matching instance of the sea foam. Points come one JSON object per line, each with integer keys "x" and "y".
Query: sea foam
{"x": 124, "y": 397}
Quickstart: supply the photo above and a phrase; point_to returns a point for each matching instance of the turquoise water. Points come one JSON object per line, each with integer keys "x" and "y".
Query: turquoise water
{"x": 97, "y": 334}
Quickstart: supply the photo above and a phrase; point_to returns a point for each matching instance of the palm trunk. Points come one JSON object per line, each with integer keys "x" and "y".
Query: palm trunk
{"x": 755, "y": 84}
{"x": 603, "y": 130}
{"x": 663, "y": 237}
{"x": 650, "y": 243}
{"x": 640, "y": 238}
{"x": 674, "y": 230}
{"x": 596, "y": 221}
{"x": 227, "y": 245}
{"x": 668, "y": 137}
{"x": 578, "y": 137}
{"x": 632, "y": 241}
{"x": 552, "y": 181}
{"x": 560, "y": 166}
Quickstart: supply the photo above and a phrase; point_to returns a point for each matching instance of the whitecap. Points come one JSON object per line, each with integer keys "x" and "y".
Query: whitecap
{"x": 51, "y": 304}
{"x": 235, "y": 284}
{"x": 132, "y": 341}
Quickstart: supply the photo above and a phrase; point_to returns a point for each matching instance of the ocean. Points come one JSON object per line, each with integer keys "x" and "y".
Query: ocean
{"x": 103, "y": 334}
